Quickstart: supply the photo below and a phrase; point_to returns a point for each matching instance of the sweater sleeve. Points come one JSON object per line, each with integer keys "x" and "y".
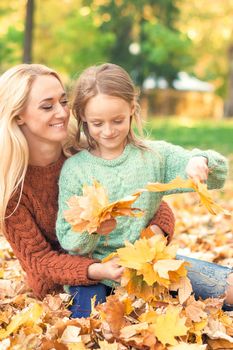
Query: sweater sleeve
{"x": 81, "y": 243}
{"x": 176, "y": 159}
{"x": 165, "y": 219}
{"x": 43, "y": 265}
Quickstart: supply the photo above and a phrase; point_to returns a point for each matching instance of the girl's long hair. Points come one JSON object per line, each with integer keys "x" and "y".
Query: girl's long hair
{"x": 109, "y": 79}
{"x": 15, "y": 85}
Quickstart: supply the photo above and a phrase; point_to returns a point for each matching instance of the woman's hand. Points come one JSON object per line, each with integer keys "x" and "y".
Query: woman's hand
{"x": 109, "y": 270}
{"x": 197, "y": 169}
{"x": 157, "y": 230}
{"x": 106, "y": 227}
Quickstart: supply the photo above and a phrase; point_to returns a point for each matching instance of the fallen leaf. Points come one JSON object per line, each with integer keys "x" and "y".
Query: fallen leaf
{"x": 87, "y": 212}
{"x": 169, "y": 325}
{"x": 30, "y": 314}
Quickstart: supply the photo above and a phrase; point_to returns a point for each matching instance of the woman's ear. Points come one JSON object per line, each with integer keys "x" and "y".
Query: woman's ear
{"x": 19, "y": 120}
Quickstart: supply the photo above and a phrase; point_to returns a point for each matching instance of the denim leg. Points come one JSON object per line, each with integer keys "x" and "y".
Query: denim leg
{"x": 207, "y": 279}
{"x": 82, "y": 295}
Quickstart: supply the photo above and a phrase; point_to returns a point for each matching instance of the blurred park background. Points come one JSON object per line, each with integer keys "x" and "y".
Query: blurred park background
{"x": 179, "y": 53}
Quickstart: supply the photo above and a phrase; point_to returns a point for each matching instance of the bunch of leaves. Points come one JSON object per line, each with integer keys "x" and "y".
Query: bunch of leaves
{"x": 89, "y": 211}
{"x": 199, "y": 187}
{"x": 151, "y": 269}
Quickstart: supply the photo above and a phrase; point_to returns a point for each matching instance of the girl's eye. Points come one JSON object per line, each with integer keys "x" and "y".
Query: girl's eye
{"x": 118, "y": 121}
{"x": 97, "y": 124}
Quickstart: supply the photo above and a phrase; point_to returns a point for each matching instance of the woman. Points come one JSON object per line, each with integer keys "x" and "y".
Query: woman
{"x": 34, "y": 118}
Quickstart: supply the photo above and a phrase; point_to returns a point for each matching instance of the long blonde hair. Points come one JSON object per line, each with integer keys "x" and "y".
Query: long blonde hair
{"x": 109, "y": 79}
{"x": 15, "y": 85}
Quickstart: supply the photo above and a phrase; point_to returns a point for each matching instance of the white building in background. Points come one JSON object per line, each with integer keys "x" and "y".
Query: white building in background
{"x": 187, "y": 82}
{"x": 184, "y": 82}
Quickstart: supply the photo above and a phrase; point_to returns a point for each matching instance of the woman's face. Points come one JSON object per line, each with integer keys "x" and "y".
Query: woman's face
{"x": 45, "y": 118}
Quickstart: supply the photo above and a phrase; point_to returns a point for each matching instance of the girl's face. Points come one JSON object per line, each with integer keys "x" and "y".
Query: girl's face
{"x": 108, "y": 121}
{"x": 45, "y": 118}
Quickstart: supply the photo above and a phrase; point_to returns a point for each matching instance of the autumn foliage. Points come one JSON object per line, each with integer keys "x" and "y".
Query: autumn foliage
{"x": 89, "y": 211}
{"x": 153, "y": 308}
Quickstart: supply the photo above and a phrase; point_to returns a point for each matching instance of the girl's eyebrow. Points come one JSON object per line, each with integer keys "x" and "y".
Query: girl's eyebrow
{"x": 95, "y": 118}
{"x": 51, "y": 98}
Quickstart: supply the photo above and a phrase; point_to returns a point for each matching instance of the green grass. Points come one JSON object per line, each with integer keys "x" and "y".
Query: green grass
{"x": 209, "y": 134}
{"x": 189, "y": 134}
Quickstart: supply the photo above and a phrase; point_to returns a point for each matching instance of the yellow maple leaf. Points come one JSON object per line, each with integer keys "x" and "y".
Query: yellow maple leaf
{"x": 87, "y": 212}
{"x": 200, "y": 188}
{"x": 152, "y": 259}
{"x": 135, "y": 285}
{"x": 135, "y": 255}
{"x": 150, "y": 276}
{"x": 169, "y": 325}
{"x": 30, "y": 314}
{"x": 166, "y": 265}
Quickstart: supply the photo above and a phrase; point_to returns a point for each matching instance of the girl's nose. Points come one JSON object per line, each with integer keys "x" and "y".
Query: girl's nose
{"x": 108, "y": 131}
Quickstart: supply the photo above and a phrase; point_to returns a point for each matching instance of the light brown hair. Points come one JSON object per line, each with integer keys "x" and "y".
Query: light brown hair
{"x": 109, "y": 79}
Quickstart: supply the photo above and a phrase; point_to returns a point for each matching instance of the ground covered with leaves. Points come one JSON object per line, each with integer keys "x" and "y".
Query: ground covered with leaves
{"x": 143, "y": 314}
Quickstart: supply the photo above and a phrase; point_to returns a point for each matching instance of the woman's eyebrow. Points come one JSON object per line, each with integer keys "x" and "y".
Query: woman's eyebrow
{"x": 51, "y": 98}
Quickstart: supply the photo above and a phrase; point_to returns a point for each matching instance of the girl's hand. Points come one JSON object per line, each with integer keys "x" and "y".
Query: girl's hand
{"x": 109, "y": 270}
{"x": 106, "y": 227}
{"x": 197, "y": 169}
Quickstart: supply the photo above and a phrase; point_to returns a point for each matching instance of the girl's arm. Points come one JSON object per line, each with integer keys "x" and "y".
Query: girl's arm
{"x": 175, "y": 159}
{"x": 165, "y": 220}
{"x": 46, "y": 267}
{"x": 81, "y": 243}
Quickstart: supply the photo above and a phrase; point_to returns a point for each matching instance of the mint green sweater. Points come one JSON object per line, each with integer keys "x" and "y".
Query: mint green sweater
{"x": 132, "y": 170}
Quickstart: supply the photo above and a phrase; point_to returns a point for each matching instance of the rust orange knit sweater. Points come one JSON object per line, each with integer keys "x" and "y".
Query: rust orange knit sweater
{"x": 31, "y": 233}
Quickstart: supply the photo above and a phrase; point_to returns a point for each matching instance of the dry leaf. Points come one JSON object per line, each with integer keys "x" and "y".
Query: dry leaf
{"x": 195, "y": 310}
{"x": 169, "y": 325}
{"x": 184, "y": 288}
{"x": 87, "y": 212}
{"x": 104, "y": 345}
{"x": 200, "y": 188}
{"x": 30, "y": 314}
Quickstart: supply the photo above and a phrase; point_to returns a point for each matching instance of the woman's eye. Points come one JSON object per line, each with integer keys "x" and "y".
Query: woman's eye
{"x": 64, "y": 102}
{"x": 117, "y": 121}
{"x": 47, "y": 108}
{"x": 97, "y": 125}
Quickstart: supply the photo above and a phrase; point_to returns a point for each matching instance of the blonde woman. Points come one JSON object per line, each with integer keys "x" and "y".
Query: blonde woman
{"x": 34, "y": 117}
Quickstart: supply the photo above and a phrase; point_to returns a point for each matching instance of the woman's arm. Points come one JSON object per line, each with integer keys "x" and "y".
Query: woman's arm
{"x": 46, "y": 268}
{"x": 165, "y": 220}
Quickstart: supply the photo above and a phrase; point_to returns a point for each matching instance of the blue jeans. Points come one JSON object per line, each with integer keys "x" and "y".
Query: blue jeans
{"x": 82, "y": 295}
{"x": 207, "y": 279}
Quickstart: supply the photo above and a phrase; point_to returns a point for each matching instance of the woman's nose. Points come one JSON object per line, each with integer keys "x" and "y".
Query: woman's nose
{"x": 61, "y": 111}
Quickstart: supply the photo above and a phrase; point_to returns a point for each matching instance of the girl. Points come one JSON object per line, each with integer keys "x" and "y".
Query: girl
{"x": 105, "y": 104}
{"x": 34, "y": 117}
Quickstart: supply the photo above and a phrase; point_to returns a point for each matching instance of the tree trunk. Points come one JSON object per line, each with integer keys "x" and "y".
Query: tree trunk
{"x": 28, "y": 32}
{"x": 228, "y": 108}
